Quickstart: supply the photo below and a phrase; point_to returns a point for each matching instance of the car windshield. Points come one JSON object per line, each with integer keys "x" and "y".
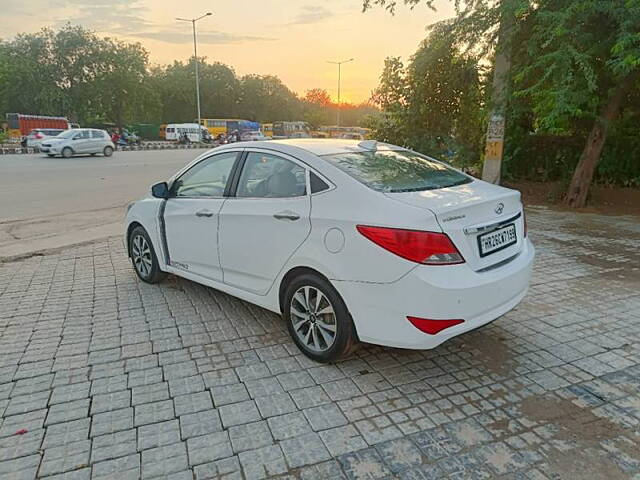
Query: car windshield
{"x": 66, "y": 134}
{"x": 397, "y": 170}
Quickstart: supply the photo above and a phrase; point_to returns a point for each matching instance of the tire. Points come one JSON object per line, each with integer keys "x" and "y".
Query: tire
{"x": 67, "y": 152}
{"x": 313, "y": 336}
{"x": 50, "y": 155}
{"x": 143, "y": 257}
{"x": 108, "y": 151}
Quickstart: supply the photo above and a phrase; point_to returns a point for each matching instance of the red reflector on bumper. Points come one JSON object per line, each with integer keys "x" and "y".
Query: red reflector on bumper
{"x": 432, "y": 326}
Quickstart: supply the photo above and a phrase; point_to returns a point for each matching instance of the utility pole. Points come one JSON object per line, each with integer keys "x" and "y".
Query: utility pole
{"x": 195, "y": 53}
{"x": 494, "y": 147}
{"x": 339, "y": 69}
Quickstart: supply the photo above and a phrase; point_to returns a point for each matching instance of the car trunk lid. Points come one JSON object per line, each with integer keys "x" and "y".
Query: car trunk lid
{"x": 473, "y": 210}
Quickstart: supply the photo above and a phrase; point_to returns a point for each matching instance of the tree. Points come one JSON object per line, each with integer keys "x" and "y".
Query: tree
{"x": 584, "y": 62}
{"x": 391, "y": 93}
{"x": 581, "y": 62}
{"x": 435, "y": 103}
{"x": 265, "y": 98}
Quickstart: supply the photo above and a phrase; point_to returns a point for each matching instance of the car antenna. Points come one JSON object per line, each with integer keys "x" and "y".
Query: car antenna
{"x": 369, "y": 145}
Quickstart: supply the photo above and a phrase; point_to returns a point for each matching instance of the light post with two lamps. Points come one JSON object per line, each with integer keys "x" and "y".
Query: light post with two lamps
{"x": 195, "y": 52}
{"x": 339, "y": 71}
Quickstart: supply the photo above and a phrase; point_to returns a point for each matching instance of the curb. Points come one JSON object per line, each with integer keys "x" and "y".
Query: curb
{"x": 133, "y": 148}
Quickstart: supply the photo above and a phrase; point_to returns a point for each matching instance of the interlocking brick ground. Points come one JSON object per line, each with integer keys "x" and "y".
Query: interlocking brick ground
{"x": 102, "y": 376}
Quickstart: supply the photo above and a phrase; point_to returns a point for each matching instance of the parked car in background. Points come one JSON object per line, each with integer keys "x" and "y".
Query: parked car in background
{"x": 79, "y": 141}
{"x": 39, "y": 135}
{"x": 347, "y": 240}
{"x": 253, "y": 137}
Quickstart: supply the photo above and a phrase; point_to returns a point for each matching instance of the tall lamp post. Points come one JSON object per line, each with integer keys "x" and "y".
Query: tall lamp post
{"x": 195, "y": 53}
{"x": 339, "y": 69}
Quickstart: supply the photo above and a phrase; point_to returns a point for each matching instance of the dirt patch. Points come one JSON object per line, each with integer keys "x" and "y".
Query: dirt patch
{"x": 490, "y": 350}
{"x": 604, "y": 200}
{"x": 585, "y": 432}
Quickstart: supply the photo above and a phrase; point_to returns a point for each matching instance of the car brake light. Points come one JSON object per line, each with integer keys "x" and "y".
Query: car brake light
{"x": 432, "y": 327}
{"x": 429, "y": 248}
{"x": 38, "y": 135}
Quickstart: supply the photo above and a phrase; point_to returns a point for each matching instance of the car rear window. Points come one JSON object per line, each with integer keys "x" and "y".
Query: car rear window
{"x": 397, "y": 170}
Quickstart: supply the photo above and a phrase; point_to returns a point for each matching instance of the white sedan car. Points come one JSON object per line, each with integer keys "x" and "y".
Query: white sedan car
{"x": 347, "y": 240}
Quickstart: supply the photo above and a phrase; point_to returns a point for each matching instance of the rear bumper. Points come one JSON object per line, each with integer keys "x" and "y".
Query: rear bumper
{"x": 380, "y": 311}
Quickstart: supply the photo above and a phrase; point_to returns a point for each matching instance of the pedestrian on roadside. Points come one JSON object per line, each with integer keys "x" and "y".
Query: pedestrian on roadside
{"x": 115, "y": 138}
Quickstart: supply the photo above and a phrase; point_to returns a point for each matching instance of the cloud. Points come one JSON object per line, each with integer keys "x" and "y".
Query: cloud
{"x": 311, "y": 14}
{"x": 208, "y": 37}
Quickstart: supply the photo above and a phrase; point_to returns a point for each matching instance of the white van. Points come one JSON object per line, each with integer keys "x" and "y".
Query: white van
{"x": 175, "y": 130}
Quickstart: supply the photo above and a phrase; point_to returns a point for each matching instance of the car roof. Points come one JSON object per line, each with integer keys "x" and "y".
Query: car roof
{"x": 319, "y": 146}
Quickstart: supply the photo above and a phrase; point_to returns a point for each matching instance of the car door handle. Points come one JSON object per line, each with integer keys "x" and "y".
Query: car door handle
{"x": 204, "y": 213}
{"x": 286, "y": 216}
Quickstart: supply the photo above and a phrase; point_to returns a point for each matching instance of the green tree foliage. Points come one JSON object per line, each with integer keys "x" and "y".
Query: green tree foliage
{"x": 434, "y": 104}
{"x": 265, "y": 98}
{"x": 93, "y": 80}
{"x": 575, "y": 71}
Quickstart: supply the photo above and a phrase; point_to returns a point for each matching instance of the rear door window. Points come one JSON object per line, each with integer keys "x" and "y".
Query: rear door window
{"x": 266, "y": 175}
{"x": 397, "y": 170}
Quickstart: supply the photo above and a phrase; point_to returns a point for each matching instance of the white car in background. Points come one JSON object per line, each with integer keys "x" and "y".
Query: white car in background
{"x": 347, "y": 240}
{"x": 256, "y": 136}
{"x": 77, "y": 141}
{"x": 39, "y": 135}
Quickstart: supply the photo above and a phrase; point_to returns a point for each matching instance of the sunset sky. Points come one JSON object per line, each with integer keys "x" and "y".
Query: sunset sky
{"x": 292, "y": 39}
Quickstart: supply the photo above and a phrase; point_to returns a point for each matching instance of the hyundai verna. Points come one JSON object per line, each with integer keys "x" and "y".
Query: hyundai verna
{"x": 349, "y": 241}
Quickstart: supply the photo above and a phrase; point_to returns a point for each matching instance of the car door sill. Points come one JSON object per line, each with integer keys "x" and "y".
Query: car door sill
{"x": 264, "y": 301}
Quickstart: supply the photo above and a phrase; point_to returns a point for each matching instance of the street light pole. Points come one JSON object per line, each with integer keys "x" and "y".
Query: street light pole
{"x": 339, "y": 74}
{"x": 195, "y": 52}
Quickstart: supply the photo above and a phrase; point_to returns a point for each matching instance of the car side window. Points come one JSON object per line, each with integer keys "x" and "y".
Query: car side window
{"x": 269, "y": 176}
{"x": 207, "y": 178}
{"x": 96, "y": 134}
{"x": 84, "y": 134}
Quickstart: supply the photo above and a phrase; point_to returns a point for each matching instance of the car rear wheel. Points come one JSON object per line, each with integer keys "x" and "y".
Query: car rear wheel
{"x": 143, "y": 257}
{"x": 108, "y": 151}
{"x": 67, "y": 152}
{"x": 317, "y": 318}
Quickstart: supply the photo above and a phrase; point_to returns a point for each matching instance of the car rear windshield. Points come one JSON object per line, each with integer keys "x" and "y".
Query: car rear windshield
{"x": 397, "y": 170}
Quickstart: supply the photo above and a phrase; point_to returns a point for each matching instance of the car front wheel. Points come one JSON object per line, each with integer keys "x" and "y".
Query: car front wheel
{"x": 67, "y": 152}
{"x": 317, "y": 318}
{"x": 143, "y": 257}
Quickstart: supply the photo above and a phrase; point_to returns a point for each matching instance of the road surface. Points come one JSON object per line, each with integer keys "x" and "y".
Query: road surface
{"x": 47, "y": 203}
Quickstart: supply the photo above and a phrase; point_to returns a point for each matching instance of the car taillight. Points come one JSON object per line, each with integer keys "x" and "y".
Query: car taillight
{"x": 432, "y": 327}
{"x": 38, "y": 135}
{"x": 429, "y": 248}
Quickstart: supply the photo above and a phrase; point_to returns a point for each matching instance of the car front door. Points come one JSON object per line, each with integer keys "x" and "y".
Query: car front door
{"x": 264, "y": 221}
{"x": 191, "y": 215}
{"x": 81, "y": 142}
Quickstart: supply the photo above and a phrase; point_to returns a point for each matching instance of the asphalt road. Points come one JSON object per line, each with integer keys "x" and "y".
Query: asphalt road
{"x": 36, "y": 185}
{"x": 47, "y": 203}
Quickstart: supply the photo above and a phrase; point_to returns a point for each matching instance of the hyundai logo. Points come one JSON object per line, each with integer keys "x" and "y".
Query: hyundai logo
{"x": 499, "y": 208}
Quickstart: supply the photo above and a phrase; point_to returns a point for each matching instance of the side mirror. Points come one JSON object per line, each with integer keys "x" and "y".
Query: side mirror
{"x": 160, "y": 190}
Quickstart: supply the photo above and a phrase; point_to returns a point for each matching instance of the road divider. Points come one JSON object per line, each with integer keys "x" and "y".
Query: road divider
{"x": 13, "y": 149}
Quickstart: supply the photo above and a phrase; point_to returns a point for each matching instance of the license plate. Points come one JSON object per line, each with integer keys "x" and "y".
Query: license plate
{"x": 497, "y": 240}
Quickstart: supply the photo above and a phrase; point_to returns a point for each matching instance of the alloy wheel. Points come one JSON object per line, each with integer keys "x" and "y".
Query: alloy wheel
{"x": 313, "y": 319}
{"x": 141, "y": 255}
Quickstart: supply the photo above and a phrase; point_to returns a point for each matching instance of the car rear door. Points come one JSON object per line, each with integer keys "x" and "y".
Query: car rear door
{"x": 265, "y": 219}
{"x": 191, "y": 215}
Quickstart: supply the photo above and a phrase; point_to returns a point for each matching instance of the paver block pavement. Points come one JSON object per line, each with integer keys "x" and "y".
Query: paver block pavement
{"x": 114, "y": 379}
